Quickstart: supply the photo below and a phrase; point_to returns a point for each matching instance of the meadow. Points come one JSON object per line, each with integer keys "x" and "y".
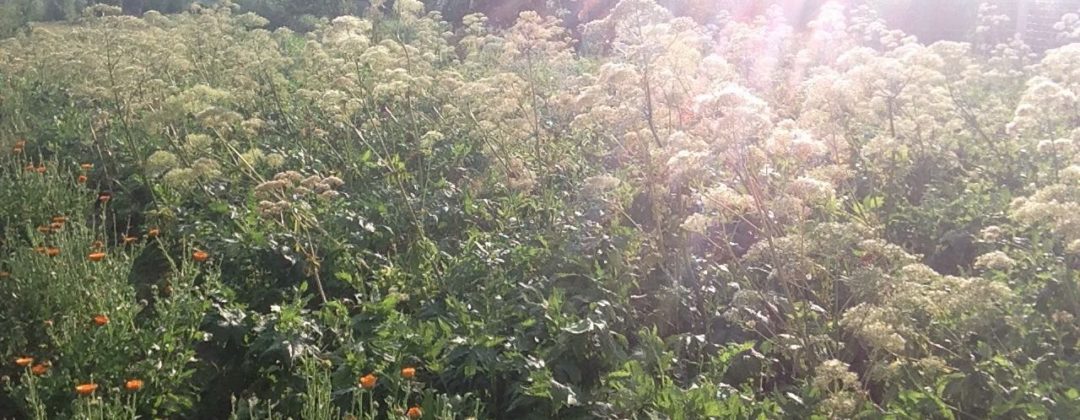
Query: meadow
{"x": 390, "y": 217}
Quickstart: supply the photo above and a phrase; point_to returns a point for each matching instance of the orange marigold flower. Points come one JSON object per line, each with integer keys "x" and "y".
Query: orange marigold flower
{"x": 44, "y": 229}
{"x": 128, "y": 240}
{"x": 96, "y": 256}
{"x": 414, "y": 413}
{"x": 39, "y": 369}
{"x": 20, "y": 143}
{"x": 52, "y": 251}
{"x": 101, "y": 320}
{"x": 153, "y": 232}
{"x": 408, "y": 373}
{"x": 368, "y": 381}
{"x": 24, "y": 361}
{"x": 86, "y": 166}
{"x": 56, "y": 226}
{"x": 200, "y": 256}
{"x": 60, "y": 218}
{"x": 81, "y": 179}
{"x": 133, "y": 385}
{"x": 85, "y": 389}
{"x": 16, "y": 150}
{"x": 105, "y": 197}
{"x": 40, "y": 169}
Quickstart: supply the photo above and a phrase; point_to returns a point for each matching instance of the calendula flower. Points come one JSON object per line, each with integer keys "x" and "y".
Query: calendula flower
{"x": 85, "y": 389}
{"x": 24, "y": 361}
{"x": 81, "y": 179}
{"x": 200, "y": 256}
{"x": 368, "y": 381}
{"x": 39, "y": 369}
{"x": 56, "y": 226}
{"x": 86, "y": 166}
{"x": 101, "y": 320}
{"x": 408, "y": 373}
{"x": 414, "y": 413}
{"x": 153, "y": 232}
{"x": 20, "y": 143}
{"x": 132, "y": 385}
{"x": 59, "y": 219}
{"x": 105, "y": 197}
{"x": 52, "y": 251}
{"x": 96, "y": 256}
{"x": 40, "y": 169}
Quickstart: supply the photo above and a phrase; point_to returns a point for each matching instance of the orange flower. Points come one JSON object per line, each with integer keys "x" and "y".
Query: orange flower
{"x": 56, "y": 226}
{"x": 153, "y": 232}
{"x": 52, "y": 251}
{"x": 16, "y": 150}
{"x": 128, "y": 240}
{"x": 59, "y": 219}
{"x": 39, "y": 369}
{"x": 81, "y": 179}
{"x": 105, "y": 197}
{"x": 86, "y": 166}
{"x": 40, "y": 169}
{"x": 408, "y": 373}
{"x": 20, "y": 143}
{"x": 101, "y": 320}
{"x": 414, "y": 413}
{"x": 96, "y": 256}
{"x": 24, "y": 361}
{"x": 368, "y": 381}
{"x": 133, "y": 385}
{"x": 85, "y": 389}
{"x": 200, "y": 256}
{"x": 44, "y": 229}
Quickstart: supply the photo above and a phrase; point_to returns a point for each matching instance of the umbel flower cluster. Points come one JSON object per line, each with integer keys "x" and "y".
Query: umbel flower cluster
{"x": 663, "y": 218}
{"x": 291, "y": 188}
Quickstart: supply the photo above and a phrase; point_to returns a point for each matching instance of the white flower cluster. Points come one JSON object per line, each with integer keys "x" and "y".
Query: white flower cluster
{"x": 291, "y": 189}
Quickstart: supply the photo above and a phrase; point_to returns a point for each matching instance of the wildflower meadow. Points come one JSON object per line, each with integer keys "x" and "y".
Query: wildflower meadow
{"x": 390, "y": 216}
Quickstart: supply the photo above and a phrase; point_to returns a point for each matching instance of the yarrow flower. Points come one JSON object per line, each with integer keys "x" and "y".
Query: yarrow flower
{"x": 995, "y": 260}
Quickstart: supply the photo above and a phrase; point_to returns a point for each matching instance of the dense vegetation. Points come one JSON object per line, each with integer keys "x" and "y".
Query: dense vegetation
{"x": 391, "y": 217}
